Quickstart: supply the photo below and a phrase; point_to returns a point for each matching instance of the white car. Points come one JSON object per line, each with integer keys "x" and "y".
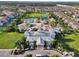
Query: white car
{"x": 38, "y": 55}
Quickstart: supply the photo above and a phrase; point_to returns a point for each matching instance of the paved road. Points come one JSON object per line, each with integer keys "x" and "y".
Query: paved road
{"x": 7, "y": 53}
{"x": 42, "y": 52}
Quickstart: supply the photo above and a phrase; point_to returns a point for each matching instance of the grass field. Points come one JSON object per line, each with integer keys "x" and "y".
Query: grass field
{"x": 7, "y": 40}
{"x": 73, "y": 41}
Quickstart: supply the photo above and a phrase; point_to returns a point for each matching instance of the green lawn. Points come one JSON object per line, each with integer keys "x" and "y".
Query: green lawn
{"x": 38, "y": 15}
{"x": 7, "y": 40}
{"x": 73, "y": 41}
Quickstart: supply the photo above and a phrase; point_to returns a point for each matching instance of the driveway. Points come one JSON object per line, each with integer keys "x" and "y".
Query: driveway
{"x": 7, "y": 53}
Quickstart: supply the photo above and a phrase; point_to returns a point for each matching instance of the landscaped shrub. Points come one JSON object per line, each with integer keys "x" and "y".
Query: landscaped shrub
{"x": 15, "y": 52}
{"x": 28, "y": 55}
{"x": 56, "y": 55}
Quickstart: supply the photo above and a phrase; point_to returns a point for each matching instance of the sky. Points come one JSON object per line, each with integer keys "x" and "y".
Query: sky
{"x": 45, "y": 0}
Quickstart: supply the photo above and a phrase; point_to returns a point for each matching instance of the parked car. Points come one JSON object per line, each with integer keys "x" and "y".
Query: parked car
{"x": 39, "y": 55}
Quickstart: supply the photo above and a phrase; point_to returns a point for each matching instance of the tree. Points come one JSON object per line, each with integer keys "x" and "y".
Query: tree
{"x": 18, "y": 44}
{"x": 35, "y": 29}
{"x": 45, "y": 44}
{"x": 19, "y": 19}
{"x": 11, "y": 29}
{"x": 28, "y": 55}
{"x": 35, "y": 44}
{"x": 24, "y": 43}
{"x": 52, "y": 24}
{"x": 28, "y": 44}
{"x": 12, "y": 26}
{"x": 55, "y": 44}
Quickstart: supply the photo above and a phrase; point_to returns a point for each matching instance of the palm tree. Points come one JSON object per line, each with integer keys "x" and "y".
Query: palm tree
{"x": 20, "y": 46}
{"x": 24, "y": 42}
